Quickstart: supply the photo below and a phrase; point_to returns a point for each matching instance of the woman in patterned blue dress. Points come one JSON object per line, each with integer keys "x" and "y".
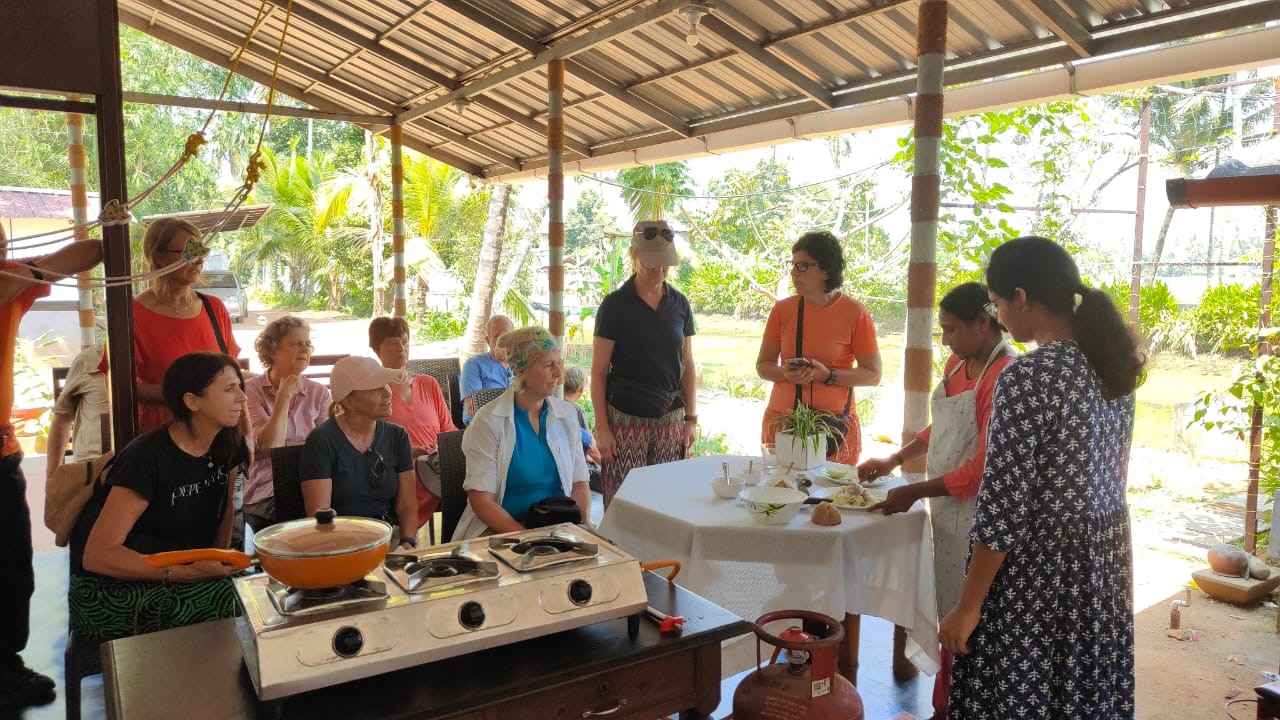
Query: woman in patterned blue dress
{"x": 1044, "y": 626}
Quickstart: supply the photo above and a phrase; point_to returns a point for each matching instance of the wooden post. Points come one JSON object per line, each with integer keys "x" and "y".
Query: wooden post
{"x": 397, "y": 216}
{"x": 555, "y": 198}
{"x": 1264, "y": 349}
{"x": 1139, "y": 215}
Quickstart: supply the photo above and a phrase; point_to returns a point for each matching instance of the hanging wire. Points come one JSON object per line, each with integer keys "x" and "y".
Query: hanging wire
{"x": 740, "y": 196}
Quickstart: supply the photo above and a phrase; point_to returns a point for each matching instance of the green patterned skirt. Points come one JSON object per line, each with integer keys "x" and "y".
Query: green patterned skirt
{"x": 104, "y": 608}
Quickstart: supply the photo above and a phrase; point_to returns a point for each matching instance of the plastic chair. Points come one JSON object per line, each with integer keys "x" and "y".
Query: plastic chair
{"x": 453, "y": 470}
{"x": 286, "y": 467}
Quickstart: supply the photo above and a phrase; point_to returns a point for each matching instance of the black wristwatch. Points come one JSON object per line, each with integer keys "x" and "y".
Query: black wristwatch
{"x": 35, "y": 272}
{"x": 831, "y": 377}
{"x": 411, "y": 542}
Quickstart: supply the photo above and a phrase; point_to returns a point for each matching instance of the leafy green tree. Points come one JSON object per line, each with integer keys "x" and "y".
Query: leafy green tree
{"x": 588, "y": 224}
{"x": 651, "y": 191}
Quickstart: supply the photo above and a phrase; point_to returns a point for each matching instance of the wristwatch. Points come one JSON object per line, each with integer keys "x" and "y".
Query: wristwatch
{"x": 831, "y": 377}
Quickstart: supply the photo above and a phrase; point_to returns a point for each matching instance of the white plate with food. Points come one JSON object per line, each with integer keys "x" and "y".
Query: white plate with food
{"x": 855, "y": 497}
{"x": 842, "y": 474}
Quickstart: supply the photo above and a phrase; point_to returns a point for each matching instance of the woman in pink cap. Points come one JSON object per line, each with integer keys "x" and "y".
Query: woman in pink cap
{"x": 357, "y": 462}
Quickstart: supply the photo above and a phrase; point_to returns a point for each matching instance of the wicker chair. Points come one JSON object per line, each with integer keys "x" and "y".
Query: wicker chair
{"x": 455, "y": 401}
{"x": 438, "y": 368}
{"x": 286, "y": 466}
{"x": 480, "y": 398}
{"x": 453, "y": 470}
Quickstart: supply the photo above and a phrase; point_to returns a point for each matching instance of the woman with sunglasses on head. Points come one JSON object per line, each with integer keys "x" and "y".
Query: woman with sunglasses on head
{"x": 836, "y": 349}
{"x": 1044, "y": 624}
{"x": 643, "y": 387}
{"x": 357, "y": 462}
{"x": 172, "y": 319}
{"x": 525, "y": 446}
{"x": 956, "y": 444}
{"x": 284, "y": 408}
{"x": 170, "y": 489}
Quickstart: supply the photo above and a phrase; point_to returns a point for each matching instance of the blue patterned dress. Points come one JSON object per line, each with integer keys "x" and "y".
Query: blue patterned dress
{"x": 1056, "y": 635}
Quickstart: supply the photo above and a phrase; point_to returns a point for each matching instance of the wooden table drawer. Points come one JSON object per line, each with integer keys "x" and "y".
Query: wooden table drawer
{"x": 647, "y": 690}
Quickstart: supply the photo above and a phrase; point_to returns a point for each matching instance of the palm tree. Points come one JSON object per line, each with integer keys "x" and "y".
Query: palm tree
{"x": 651, "y": 191}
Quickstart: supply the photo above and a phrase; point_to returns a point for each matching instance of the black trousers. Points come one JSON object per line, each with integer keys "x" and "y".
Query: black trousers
{"x": 15, "y": 559}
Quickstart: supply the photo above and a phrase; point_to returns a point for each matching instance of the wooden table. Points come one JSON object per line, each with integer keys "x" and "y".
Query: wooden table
{"x": 198, "y": 671}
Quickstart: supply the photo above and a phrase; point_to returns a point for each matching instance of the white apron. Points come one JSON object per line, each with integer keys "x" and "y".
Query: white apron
{"x": 952, "y": 443}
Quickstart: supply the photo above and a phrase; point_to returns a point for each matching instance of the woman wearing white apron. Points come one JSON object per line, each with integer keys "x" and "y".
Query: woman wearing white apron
{"x": 956, "y": 446}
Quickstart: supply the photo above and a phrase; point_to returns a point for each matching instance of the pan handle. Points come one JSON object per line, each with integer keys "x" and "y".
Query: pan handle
{"x": 183, "y": 557}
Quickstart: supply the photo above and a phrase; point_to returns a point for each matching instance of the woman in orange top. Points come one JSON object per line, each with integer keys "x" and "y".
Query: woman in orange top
{"x": 838, "y": 349}
{"x": 171, "y": 319}
{"x": 961, "y": 408}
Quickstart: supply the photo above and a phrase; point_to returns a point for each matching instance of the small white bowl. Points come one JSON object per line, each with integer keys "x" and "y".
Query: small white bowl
{"x": 773, "y": 505}
{"x": 724, "y": 489}
{"x": 750, "y": 479}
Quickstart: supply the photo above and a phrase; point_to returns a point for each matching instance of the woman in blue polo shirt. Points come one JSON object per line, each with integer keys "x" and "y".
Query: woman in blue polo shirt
{"x": 642, "y": 375}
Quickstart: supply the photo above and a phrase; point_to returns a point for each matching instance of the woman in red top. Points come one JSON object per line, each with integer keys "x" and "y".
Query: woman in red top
{"x": 961, "y": 408}
{"x": 171, "y": 319}
{"x": 418, "y": 405}
{"x": 838, "y": 342}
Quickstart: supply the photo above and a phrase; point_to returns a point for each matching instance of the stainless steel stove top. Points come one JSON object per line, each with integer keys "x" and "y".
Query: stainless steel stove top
{"x": 446, "y": 600}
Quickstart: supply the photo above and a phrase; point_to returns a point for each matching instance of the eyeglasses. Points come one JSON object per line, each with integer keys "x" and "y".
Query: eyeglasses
{"x": 653, "y": 231}
{"x": 992, "y": 309}
{"x": 376, "y": 467}
{"x": 803, "y": 266}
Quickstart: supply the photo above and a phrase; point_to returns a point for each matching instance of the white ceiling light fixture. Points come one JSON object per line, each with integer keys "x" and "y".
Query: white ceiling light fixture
{"x": 693, "y": 15}
{"x": 460, "y": 105}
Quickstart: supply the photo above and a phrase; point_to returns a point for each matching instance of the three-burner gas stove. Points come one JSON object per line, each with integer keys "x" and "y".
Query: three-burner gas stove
{"x": 433, "y": 604}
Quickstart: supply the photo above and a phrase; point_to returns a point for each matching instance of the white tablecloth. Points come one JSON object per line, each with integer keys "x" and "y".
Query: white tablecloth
{"x": 870, "y": 564}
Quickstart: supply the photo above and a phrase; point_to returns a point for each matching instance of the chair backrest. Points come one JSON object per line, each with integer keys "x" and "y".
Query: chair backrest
{"x": 59, "y": 379}
{"x": 438, "y": 368}
{"x": 286, "y": 482}
{"x": 453, "y": 470}
{"x": 480, "y": 398}
{"x": 455, "y": 400}
{"x": 322, "y": 366}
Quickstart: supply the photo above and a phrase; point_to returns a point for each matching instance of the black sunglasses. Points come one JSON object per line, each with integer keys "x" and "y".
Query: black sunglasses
{"x": 376, "y": 468}
{"x": 652, "y": 232}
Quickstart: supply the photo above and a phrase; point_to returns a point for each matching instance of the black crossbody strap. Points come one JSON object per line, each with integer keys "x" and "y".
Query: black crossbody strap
{"x": 848, "y": 403}
{"x": 217, "y": 331}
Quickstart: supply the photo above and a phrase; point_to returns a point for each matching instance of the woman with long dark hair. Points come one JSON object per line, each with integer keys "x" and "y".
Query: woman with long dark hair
{"x": 1044, "y": 624}
{"x": 169, "y": 489}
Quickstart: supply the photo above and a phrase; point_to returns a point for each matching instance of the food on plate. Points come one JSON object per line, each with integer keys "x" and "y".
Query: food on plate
{"x": 783, "y": 483}
{"x": 852, "y": 496}
{"x": 826, "y": 514}
{"x": 839, "y": 471}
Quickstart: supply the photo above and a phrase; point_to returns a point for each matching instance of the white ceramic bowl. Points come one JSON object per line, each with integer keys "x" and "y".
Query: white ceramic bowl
{"x": 772, "y": 505}
{"x": 724, "y": 489}
{"x": 750, "y": 479}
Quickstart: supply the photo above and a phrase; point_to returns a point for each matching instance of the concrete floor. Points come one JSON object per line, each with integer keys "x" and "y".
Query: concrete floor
{"x": 883, "y": 697}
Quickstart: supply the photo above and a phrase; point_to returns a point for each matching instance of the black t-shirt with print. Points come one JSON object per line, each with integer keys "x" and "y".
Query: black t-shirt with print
{"x": 186, "y": 498}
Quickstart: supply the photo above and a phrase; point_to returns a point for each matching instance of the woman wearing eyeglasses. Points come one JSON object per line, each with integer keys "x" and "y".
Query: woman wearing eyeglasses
{"x": 284, "y": 407}
{"x": 643, "y": 387}
{"x": 818, "y": 344}
{"x": 357, "y": 462}
{"x": 171, "y": 319}
{"x": 956, "y": 444}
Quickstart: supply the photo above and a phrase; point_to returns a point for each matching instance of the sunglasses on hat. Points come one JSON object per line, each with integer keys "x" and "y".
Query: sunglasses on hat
{"x": 653, "y": 231}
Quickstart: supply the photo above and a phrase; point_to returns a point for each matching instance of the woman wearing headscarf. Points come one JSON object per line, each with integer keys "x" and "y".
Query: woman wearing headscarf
{"x": 523, "y": 447}
{"x": 956, "y": 444}
{"x": 643, "y": 388}
{"x": 818, "y": 344}
{"x": 1044, "y": 624}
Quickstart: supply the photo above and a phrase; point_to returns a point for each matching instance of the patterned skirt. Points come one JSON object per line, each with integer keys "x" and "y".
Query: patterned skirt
{"x": 105, "y": 608}
{"x": 639, "y": 442}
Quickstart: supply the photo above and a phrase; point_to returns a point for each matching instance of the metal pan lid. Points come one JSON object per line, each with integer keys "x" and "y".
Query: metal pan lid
{"x": 326, "y": 535}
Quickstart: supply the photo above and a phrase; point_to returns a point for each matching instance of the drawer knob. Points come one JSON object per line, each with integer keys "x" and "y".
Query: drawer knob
{"x": 616, "y": 707}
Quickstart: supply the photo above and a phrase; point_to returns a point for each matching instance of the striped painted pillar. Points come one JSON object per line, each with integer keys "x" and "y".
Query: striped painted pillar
{"x": 555, "y": 198}
{"x": 922, "y": 270}
{"x": 79, "y": 217}
{"x": 397, "y": 216}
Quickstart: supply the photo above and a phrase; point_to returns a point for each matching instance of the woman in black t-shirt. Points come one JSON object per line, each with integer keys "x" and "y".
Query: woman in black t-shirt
{"x": 169, "y": 489}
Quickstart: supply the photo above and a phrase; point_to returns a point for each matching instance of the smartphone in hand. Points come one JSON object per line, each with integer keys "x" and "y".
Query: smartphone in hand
{"x": 798, "y": 362}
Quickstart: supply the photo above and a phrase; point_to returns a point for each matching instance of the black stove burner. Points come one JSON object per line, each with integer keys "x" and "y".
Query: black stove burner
{"x": 441, "y": 567}
{"x": 295, "y": 601}
{"x": 544, "y": 546}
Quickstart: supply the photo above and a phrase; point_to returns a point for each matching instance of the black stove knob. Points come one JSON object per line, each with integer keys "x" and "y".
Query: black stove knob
{"x": 471, "y": 615}
{"x": 347, "y": 642}
{"x": 580, "y": 592}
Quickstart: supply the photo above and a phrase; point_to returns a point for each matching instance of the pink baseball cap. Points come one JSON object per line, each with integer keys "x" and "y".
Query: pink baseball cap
{"x": 361, "y": 373}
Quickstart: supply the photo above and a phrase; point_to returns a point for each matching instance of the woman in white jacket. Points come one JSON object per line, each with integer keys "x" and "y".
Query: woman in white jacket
{"x": 523, "y": 447}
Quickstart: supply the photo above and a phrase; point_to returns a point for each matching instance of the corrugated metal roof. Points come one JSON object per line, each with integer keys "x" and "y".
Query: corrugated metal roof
{"x": 29, "y": 203}
{"x": 467, "y": 77}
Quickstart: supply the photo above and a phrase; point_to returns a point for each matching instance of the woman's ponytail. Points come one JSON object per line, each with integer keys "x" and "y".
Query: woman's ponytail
{"x": 1108, "y": 343}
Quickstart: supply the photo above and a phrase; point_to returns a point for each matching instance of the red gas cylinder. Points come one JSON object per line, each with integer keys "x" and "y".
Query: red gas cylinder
{"x": 807, "y": 685}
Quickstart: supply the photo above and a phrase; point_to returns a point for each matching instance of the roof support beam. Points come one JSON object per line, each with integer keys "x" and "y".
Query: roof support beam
{"x": 253, "y": 108}
{"x": 1061, "y": 23}
{"x": 639, "y": 104}
{"x": 185, "y": 42}
{"x": 854, "y": 16}
{"x": 770, "y": 62}
{"x": 564, "y": 50}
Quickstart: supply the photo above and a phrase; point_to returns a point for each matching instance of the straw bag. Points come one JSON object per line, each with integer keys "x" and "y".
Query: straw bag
{"x": 66, "y": 492}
